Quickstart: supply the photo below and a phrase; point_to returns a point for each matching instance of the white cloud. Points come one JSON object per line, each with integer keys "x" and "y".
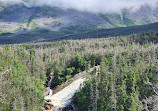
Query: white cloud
{"x": 11, "y": 1}
{"x": 90, "y": 5}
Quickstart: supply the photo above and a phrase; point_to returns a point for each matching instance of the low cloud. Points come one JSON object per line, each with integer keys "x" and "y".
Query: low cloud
{"x": 90, "y": 5}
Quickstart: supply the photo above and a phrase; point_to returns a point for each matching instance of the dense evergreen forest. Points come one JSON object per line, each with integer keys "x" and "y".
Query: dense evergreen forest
{"x": 127, "y": 80}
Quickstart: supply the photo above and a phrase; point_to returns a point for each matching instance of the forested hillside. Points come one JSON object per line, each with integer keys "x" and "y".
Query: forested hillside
{"x": 127, "y": 79}
{"x": 43, "y": 35}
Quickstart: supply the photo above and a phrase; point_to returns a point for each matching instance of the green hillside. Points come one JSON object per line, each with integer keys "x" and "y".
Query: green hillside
{"x": 74, "y": 32}
{"x": 128, "y": 65}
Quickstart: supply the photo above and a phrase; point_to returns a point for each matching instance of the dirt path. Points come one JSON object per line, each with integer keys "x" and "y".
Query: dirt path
{"x": 63, "y": 97}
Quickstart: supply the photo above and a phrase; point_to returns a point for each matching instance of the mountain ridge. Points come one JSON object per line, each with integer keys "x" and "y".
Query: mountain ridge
{"x": 20, "y": 23}
{"x": 42, "y": 35}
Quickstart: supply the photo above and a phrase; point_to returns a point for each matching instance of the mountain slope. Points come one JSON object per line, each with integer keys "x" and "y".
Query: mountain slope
{"x": 117, "y": 31}
{"x": 42, "y": 35}
{"x": 19, "y": 18}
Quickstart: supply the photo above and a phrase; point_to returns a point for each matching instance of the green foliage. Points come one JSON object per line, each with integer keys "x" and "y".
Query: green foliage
{"x": 131, "y": 103}
{"x": 68, "y": 76}
{"x": 34, "y": 25}
{"x": 79, "y": 63}
{"x": 152, "y": 74}
{"x": 18, "y": 81}
{"x": 45, "y": 57}
{"x": 128, "y": 22}
{"x": 61, "y": 49}
{"x": 7, "y": 48}
{"x": 69, "y": 71}
{"x": 58, "y": 76}
{"x": 1, "y": 69}
{"x": 114, "y": 24}
{"x": 82, "y": 98}
{"x": 76, "y": 65}
{"x": 121, "y": 82}
{"x": 112, "y": 45}
{"x": 126, "y": 64}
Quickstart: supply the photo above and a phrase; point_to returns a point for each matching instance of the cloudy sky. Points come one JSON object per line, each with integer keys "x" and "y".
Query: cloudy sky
{"x": 91, "y": 5}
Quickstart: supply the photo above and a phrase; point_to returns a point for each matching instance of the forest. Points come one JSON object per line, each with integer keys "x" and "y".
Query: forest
{"x": 127, "y": 79}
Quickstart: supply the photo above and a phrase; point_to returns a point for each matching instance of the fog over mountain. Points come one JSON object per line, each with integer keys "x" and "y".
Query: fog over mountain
{"x": 89, "y": 5}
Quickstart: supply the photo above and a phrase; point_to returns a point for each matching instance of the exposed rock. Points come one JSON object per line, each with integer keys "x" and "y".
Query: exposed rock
{"x": 48, "y": 101}
{"x": 48, "y": 106}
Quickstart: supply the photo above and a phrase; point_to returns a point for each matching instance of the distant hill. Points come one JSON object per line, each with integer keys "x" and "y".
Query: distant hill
{"x": 42, "y": 35}
{"x": 117, "y": 31}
